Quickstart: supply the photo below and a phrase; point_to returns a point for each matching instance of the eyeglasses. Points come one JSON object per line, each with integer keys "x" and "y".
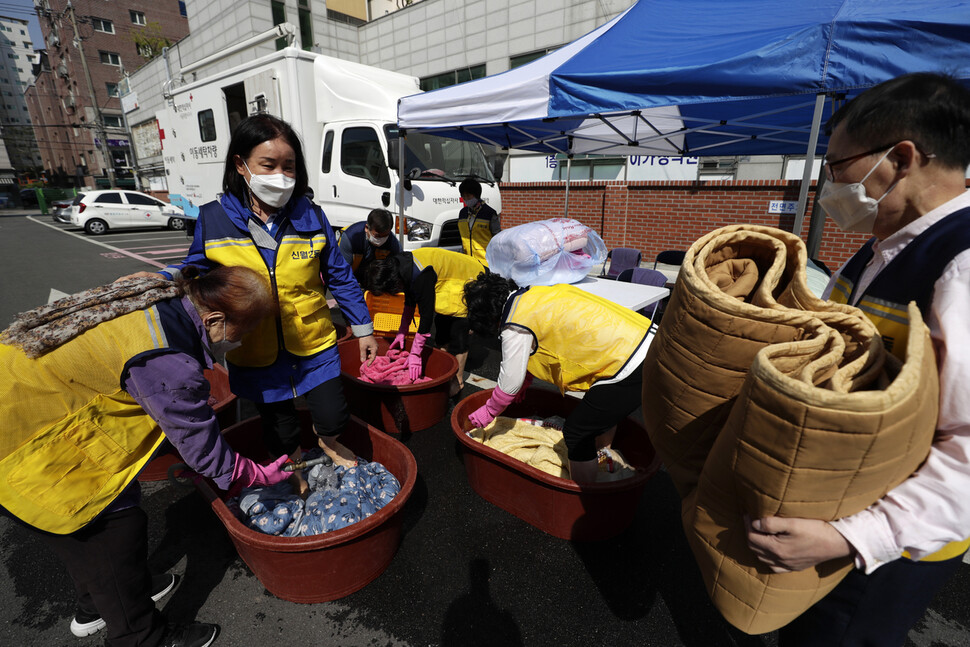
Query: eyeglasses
{"x": 829, "y": 166}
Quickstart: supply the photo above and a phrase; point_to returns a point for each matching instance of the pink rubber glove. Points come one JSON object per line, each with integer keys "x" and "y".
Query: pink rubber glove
{"x": 414, "y": 359}
{"x": 496, "y": 404}
{"x": 398, "y": 342}
{"x": 407, "y": 315}
{"x": 246, "y": 473}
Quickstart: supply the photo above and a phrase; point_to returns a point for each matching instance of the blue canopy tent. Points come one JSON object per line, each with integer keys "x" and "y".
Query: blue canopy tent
{"x": 702, "y": 77}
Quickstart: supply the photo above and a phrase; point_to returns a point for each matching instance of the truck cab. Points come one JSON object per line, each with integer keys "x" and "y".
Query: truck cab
{"x": 359, "y": 163}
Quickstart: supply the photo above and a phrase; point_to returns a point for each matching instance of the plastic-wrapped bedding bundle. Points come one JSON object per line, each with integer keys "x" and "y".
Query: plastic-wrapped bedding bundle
{"x": 546, "y": 252}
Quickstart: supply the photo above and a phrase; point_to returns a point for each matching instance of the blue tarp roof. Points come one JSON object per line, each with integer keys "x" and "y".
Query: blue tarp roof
{"x": 701, "y": 77}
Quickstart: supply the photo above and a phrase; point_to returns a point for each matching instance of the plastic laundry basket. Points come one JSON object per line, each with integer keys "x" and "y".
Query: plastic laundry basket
{"x": 386, "y": 312}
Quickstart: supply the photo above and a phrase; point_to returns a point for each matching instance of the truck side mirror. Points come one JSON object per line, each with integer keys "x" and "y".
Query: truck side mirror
{"x": 497, "y": 163}
{"x": 393, "y": 152}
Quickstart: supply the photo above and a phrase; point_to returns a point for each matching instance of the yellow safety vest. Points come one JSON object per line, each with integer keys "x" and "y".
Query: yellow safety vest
{"x": 72, "y": 439}
{"x": 581, "y": 338}
{"x": 475, "y": 241}
{"x": 304, "y": 315}
{"x": 454, "y": 270}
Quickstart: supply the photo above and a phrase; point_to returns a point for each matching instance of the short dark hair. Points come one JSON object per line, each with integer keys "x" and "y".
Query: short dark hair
{"x": 383, "y": 276}
{"x": 380, "y": 220}
{"x": 250, "y": 133}
{"x": 931, "y": 110}
{"x": 485, "y": 299}
{"x": 471, "y": 186}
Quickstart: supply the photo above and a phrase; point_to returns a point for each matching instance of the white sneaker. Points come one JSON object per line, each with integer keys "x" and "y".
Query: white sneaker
{"x": 86, "y": 625}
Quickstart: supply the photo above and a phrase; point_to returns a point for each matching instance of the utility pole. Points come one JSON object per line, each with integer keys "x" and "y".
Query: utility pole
{"x": 98, "y": 119}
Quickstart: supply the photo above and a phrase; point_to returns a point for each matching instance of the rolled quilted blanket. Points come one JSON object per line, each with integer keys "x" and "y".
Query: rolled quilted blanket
{"x": 764, "y": 400}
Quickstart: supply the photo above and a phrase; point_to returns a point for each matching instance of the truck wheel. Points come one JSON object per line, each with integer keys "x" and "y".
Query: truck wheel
{"x": 95, "y": 227}
{"x": 178, "y": 224}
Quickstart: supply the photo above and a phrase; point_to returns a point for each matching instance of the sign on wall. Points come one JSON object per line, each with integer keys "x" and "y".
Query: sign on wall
{"x": 146, "y": 140}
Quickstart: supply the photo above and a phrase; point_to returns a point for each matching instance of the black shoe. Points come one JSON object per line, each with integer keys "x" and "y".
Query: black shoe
{"x": 86, "y": 624}
{"x": 194, "y": 634}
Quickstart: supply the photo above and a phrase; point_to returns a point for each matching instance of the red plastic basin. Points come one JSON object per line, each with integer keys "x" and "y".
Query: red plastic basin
{"x": 558, "y": 506}
{"x": 225, "y": 408}
{"x": 397, "y": 409}
{"x": 335, "y": 564}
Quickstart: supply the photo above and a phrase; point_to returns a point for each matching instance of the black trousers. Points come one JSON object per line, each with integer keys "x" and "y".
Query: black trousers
{"x": 281, "y": 424}
{"x": 108, "y": 563}
{"x": 603, "y": 406}
{"x": 875, "y": 610}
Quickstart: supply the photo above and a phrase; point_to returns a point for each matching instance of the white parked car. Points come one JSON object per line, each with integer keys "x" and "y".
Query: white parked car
{"x": 99, "y": 211}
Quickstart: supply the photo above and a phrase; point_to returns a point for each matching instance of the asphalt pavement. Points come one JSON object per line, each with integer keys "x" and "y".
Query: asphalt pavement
{"x": 466, "y": 572}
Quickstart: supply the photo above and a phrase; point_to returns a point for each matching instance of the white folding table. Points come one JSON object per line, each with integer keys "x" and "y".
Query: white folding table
{"x": 631, "y": 295}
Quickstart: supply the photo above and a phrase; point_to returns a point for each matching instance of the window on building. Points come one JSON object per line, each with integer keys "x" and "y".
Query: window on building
{"x": 137, "y": 17}
{"x": 112, "y": 121}
{"x": 112, "y": 89}
{"x": 453, "y": 77}
{"x": 306, "y": 28}
{"x": 361, "y": 156}
{"x": 102, "y": 25}
{"x": 110, "y": 58}
{"x": 23, "y": 33}
{"x": 278, "y": 9}
{"x": 182, "y": 10}
{"x": 522, "y": 59}
{"x": 337, "y": 16}
{"x": 29, "y": 46}
{"x": 207, "y": 125}
{"x": 12, "y": 55}
{"x": 590, "y": 167}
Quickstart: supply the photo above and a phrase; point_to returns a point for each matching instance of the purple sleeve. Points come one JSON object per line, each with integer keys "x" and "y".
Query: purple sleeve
{"x": 172, "y": 389}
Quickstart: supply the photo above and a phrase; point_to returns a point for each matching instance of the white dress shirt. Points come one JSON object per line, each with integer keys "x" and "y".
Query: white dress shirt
{"x": 932, "y": 507}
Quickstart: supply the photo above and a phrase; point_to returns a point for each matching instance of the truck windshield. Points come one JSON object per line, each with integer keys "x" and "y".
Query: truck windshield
{"x": 430, "y": 157}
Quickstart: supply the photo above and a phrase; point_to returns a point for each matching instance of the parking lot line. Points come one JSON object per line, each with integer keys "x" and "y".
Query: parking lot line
{"x": 118, "y": 250}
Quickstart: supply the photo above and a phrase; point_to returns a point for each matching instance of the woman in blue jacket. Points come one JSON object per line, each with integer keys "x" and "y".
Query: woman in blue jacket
{"x": 264, "y": 221}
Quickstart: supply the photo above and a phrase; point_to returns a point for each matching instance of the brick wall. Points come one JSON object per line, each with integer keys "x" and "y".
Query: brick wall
{"x": 654, "y": 216}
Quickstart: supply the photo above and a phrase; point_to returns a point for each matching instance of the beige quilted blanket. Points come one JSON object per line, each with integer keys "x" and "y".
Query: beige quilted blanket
{"x": 764, "y": 400}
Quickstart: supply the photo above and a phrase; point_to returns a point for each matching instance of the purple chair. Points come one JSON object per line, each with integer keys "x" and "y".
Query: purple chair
{"x": 644, "y": 276}
{"x": 619, "y": 259}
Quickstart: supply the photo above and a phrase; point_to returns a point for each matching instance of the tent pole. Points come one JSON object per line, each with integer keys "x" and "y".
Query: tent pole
{"x": 809, "y": 161}
{"x": 403, "y": 141}
{"x": 569, "y": 167}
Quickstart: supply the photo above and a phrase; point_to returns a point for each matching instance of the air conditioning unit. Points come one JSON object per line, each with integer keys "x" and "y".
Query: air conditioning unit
{"x": 62, "y": 69}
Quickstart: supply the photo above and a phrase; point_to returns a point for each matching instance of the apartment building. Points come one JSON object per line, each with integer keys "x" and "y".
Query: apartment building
{"x": 17, "y": 59}
{"x": 75, "y": 106}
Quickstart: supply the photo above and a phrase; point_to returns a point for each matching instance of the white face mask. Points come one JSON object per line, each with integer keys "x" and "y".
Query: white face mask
{"x": 220, "y": 348}
{"x": 274, "y": 189}
{"x": 375, "y": 241}
{"x": 849, "y": 205}
{"x": 471, "y": 202}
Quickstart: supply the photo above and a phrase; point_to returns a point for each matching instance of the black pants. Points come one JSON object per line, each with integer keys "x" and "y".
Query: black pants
{"x": 875, "y": 610}
{"x": 451, "y": 333}
{"x": 108, "y": 563}
{"x": 281, "y": 424}
{"x": 601, "y": 408}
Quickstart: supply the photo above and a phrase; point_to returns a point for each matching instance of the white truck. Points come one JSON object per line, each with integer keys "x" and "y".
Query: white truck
{"x": 345, "y": 114}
